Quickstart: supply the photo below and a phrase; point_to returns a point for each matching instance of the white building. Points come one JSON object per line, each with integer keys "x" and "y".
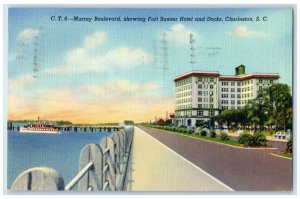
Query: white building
{"x": 200, "y": 95}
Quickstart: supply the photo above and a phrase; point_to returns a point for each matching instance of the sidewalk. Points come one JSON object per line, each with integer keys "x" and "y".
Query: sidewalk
{"x": 154, "y": 167}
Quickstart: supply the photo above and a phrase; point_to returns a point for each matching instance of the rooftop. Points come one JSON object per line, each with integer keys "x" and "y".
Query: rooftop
{"x": 197, "y": 73}
{"x": 238, "y": 77}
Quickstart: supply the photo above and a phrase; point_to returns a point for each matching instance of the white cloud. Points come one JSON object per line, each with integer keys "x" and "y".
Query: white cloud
{"x": 27, "y": 35}
{"x": 126, "y": 57}
{"x": 86, "y": 58}
{"x": 180, "y": 34}
{"x": 242, "y": 31}
{"x": 93, "y": 40}
{"x": 20, "y": 82}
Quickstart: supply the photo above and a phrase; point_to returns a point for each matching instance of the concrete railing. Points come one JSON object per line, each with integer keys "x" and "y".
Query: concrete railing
{"x": 102, "y": 168}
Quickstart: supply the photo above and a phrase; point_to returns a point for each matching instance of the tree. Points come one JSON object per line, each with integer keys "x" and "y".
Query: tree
{"x": 242, "y": 115}
{"x": 229, "y": 117}
{"x": 278, "y": 102}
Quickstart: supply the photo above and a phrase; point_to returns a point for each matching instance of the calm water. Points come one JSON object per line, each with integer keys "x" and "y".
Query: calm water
{"x": 58, "y": 151}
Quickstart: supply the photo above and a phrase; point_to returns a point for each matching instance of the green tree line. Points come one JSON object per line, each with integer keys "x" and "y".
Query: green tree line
{"x": 272, "y": 108}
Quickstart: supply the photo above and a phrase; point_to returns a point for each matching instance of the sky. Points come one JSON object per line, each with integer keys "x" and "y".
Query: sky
{"x": 99, "y": 72}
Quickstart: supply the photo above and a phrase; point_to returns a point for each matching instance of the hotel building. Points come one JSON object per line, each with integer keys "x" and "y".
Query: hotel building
{"x": 200, "y": 95}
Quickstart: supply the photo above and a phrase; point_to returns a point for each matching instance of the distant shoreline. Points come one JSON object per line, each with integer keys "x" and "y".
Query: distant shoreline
{"x": 66, "y": 123}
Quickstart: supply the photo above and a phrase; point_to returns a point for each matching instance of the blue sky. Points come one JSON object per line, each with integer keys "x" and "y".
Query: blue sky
{"x": 101, "y": 64}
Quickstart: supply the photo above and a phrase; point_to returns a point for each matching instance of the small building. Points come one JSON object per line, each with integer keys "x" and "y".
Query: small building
{"x": 200, "y": 95}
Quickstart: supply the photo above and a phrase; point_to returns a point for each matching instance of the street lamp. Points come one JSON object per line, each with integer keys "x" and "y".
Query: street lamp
{"x": 210, "y": 108}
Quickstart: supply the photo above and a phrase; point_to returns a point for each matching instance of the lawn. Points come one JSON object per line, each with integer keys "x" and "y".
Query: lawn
{"x": 216, "y": 139}
{"x": 286, "y": 155}
{"x": 266, "y": 133}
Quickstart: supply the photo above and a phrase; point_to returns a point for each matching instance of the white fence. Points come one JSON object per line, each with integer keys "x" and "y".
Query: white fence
{"x": 102, "y": 168}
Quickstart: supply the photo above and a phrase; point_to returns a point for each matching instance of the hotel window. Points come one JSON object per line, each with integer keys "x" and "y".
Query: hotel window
{"x": 239, "y": 83}
{"x": 211, "y": 80}
{"x": 211, "y": 106}
{"x": 224, "y": 83}
{"x": 199, "y": 99}
{"x": 224, "y": 95}
{"x": 224, "y": 107}
{"x": 199, "y": 92}
{"x": 211, "y": 86}
{"x": 260, "y": 88}
{"x": 238, "y": 95}
{"x": 199, "y": 105}
{"x": 238, "y": 102}
{"x": 211, "y": 99}
{"x": 199, "y": 85}
{"x": 232, "y": 83}
{"x": 224, "y": 89}
{"x": 238, "y": 89}
{"x": 271, "y": 81}
{"x": 260, "y": 81}
{"x": 200, "y": 113}
{"x": 232, "y": 102}
{"x": 232, "y": 95}
{"x": 224, "y": 101}
{"x": 232, "y": 89}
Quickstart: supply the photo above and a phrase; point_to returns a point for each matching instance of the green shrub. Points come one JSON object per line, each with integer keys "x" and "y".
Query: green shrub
{"x": 224, "y": 136}
{"x": 213, "y": 134}
{"x": 258, "y": 139}
{"x": 203, "y": 133}
{"x": 289, "y": 145}
{"x": 190, "y": 131}
{"x": 244, "y": 139}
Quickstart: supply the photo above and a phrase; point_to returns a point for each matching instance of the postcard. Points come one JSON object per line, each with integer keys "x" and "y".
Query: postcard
{"x": 171, "y": 99}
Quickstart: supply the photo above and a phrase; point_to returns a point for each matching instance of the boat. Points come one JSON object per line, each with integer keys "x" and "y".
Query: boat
{"x": 40, "y": 127}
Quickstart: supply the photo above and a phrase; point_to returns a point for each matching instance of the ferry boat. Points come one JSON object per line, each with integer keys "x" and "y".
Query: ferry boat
{"x": 40, "y": 127}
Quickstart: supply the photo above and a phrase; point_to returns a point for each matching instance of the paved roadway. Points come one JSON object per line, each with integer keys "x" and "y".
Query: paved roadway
{"x": 240, "y": 169}
{"x": 154, "y": 167}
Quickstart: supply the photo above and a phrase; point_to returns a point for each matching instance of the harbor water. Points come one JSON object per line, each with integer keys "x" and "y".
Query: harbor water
{"x": 58, "y": 151}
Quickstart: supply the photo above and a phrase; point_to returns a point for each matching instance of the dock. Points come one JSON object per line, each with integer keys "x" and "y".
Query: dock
{"x": 75, "y": 128}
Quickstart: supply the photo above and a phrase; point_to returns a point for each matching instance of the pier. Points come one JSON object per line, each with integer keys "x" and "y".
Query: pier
{"x": 86, "y": 128}
{"x": 74, "y": 128}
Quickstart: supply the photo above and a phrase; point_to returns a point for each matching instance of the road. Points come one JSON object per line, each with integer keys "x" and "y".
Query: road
{"x": 240, "y": 169}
